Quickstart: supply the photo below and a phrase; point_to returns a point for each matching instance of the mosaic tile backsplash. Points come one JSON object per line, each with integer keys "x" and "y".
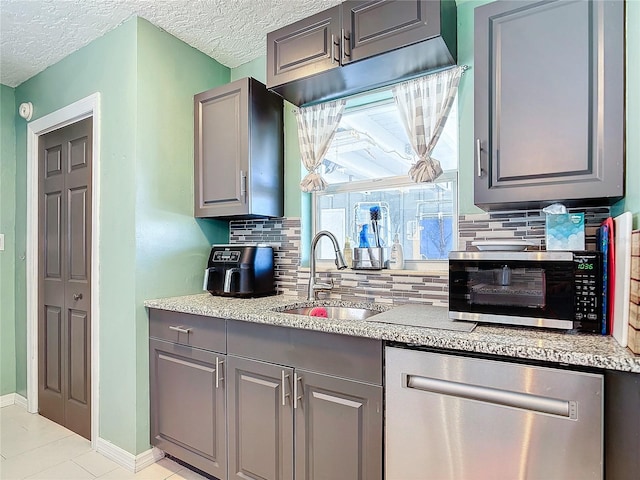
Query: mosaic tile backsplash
{"x": 283, "y": 234}
{"x": 522, "y": 224}
{"x": 397, "y": 287}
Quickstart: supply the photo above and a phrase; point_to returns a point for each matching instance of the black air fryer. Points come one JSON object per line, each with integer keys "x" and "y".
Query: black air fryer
{"x": 240, "y": 271}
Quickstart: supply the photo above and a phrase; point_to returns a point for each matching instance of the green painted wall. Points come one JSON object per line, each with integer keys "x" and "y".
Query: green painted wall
{"x": 151, "y": 246}
{"x": 108, "y": 66}
{"x": 465, "y": 106}
{"x": 255, "y": 68}
{"x": 171, "y": 246}
{"x": 7, "y": 227}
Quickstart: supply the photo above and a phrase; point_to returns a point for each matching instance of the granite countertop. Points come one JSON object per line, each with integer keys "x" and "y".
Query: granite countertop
{"x": 528, "y": 343}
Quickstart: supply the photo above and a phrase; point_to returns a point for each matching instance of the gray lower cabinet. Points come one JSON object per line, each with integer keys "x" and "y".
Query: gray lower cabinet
{"x": 549, "y": 103}
{"x": 292, "y": 413}
{"x": 187, "y": 390}
{"x": 238, "y": 151}
{"x": 260, "y": 420}
{"x": 338, "y": 428}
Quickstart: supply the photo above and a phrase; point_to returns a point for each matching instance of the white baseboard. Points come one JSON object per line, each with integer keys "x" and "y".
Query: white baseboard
{"x": 13, "y": 399}
{"x": 149, "y": 457}
{"x": 21, "y": 401}
{"x": 128, "y": 461}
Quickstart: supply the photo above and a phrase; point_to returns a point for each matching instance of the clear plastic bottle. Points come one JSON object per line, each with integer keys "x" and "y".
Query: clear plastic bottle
{"x": 396, "y": 260}
{"x": 347, "y": 252}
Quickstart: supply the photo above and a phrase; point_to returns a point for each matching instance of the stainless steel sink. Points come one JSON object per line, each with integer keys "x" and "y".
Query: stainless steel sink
{"x": 333, "y": 312}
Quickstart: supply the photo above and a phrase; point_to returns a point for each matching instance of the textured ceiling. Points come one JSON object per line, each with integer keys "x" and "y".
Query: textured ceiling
{"x": 35, "y": 34}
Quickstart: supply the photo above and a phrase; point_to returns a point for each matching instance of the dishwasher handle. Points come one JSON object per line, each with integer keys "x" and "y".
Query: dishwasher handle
{"x": 525, "y": 401}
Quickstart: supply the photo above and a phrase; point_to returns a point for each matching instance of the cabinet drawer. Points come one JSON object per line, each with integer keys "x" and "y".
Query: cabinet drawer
{"x": 344, "y": 356}
{"x": 186, "y": 329}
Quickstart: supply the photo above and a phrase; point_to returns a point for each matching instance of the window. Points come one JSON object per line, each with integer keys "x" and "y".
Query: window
{"x": 367, "y": 165}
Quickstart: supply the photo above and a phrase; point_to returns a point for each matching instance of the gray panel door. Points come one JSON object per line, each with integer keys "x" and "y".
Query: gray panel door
{"x": 374, "y": 27}
{"x": 188, "y": 415}
{"x": 338, "y": 428}
{"x": 221, "y": 149}
{"x": 64, "y": 304}
{"x": 260, "y": 420}
{"x": 548, "y": 101}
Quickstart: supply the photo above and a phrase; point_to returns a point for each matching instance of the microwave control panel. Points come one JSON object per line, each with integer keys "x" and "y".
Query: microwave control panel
{"x": 588, "y": 285}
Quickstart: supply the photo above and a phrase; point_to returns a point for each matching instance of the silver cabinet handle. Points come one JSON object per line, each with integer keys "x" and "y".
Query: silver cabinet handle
{"x": 77, "y": 296}
{"x": 525, "y": 401}
{"x": 343, "y": 38}
{"x": 333, "y": 47}
{"x": 219, "y": 364}
{"x": 243, "y": 183}
{"x": 296, "y": 379}
{"x": 478, "y": 150}
{"x": 284, "y": 395}
{"x": 180, "y": 329}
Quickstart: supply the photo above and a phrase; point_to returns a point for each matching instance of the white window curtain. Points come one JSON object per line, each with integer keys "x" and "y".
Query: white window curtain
{"x": 424, "y": 105}
{"x": 317, "y": 126}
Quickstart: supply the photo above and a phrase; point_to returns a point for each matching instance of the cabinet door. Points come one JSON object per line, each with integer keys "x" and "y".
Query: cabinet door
{"x": 548, "y": 102}
{"x": 188, "y": 417}
{"x": 338, "y": 428}
{"x": 260, "y": 420}
{"x": 373, "y": 27}
{"x": 221, "y": 150}
{"x": 304, "y": 48}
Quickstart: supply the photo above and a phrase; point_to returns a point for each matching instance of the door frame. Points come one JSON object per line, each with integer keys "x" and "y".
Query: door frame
{"x": 84, "y": 108}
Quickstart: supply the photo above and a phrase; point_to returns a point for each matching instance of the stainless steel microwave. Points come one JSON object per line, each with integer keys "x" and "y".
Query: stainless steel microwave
{"x": 551, "y": 289}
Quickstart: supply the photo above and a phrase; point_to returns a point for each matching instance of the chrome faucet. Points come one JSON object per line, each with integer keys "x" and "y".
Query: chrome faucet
{"x": 315, "y": 287}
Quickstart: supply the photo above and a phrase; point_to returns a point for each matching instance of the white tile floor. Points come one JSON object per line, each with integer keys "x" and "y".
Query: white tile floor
{"x": 34, "y": 447}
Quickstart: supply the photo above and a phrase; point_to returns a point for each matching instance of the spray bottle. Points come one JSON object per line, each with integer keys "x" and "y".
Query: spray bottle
{"x": 396, "y": 260}
{"x": 347, "y": 252}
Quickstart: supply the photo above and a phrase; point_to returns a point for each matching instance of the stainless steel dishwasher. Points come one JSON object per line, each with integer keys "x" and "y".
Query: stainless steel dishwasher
{"x": 464, "y": 418}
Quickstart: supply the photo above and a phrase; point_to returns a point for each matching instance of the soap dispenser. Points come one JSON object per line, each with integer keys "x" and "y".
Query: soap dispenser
{"x": 396, "y": 260}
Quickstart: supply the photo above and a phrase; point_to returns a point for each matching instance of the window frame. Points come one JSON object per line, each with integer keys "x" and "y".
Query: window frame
{"x": 386, "y": 184}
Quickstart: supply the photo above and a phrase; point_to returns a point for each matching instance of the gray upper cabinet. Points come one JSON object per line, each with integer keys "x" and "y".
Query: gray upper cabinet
{"x": 549, "y": 103}
{"x": 304, "y": 48}
{"x": 187, "y": 389}
{"x": 360, "y": 45}
{"x": 238, "y": 151}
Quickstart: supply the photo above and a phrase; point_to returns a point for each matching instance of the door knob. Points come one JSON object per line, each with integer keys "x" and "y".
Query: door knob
{"x": 77, "y": 296}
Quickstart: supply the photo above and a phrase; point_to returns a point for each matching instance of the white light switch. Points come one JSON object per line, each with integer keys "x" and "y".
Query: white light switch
{"x": 1, "y": 241}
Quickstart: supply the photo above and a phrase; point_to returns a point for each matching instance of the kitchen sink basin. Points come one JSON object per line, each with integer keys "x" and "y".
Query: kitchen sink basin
{"x": 332, "y": 311}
